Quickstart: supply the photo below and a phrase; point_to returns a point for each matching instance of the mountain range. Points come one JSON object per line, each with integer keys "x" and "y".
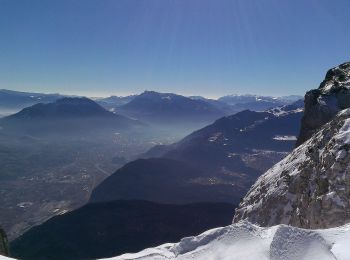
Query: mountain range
{"x": 230, "y": 103}
{"x": 193, "y": 179}
{"x": 170, "y": 109}
{"x": 166, "y": 112}
{"x": 256, "y": 102}
{"x": 297, "y": 209}
{"x": 301, "y": 205}
{"x": 172, "y": 180}
{"x": 157, "y": 107}
{"x": 113, "y": 102}
{"x": 65, "y": 115}
{"x": 216, "y": 163}
{"x": 13, "y": 101}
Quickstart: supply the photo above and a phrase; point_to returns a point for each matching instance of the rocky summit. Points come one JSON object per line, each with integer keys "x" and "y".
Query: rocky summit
{"x": 310, "y": 188}
{"x": 322, "y": 104}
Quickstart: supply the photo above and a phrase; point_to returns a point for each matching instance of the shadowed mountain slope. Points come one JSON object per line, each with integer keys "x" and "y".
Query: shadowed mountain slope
{"x": 107, "y": 229}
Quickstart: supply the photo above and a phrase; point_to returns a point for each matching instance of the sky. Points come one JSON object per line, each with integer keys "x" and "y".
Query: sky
{"x": 191, "y": 47}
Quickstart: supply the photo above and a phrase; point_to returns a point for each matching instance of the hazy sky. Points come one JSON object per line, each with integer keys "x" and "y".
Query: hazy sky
{"x": 202, "y": 47}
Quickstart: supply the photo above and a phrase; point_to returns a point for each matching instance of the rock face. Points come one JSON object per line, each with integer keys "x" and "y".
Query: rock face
{"x": 4, "y": 250}
{"x": 322, "y": 104}
{"x": 310, "y": 188}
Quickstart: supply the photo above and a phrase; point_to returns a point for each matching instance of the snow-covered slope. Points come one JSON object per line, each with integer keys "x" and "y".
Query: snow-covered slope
{"x": 247, "y": 241}
{"x": 4, "y": 258}
{"x": 310, "y": 188}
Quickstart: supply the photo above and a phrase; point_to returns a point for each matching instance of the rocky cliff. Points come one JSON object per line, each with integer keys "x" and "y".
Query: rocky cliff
{"x": 322, "y": 104}
{"x": 310, "y": 188}
{"x": 4, "y": 250}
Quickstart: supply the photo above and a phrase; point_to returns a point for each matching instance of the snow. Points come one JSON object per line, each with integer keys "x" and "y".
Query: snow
{"x": 214, "y": 137}
{"x": 279, "y": 111}
{"x": 344, "y": 133}
{"x": 244, "y": 240}
{"x": 285, "y": 138}
{"x": 5, "y": 258}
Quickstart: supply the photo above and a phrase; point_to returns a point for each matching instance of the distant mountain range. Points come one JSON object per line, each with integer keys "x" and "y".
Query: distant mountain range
{"x": 216, "y": 163}
{"x": 301, "y": 203}
{"x": 13, "y": 101}
{"x": 224, "y": 103}
{"x": 86, "y": 135}
{"x": 107, "y": 229}
{"x": 151, "y": 103}
{"x": 248, "y": 98}
{"x": 211, "y": 167}
{"x": 167, "y": 113}
{"x": 168, "y": 108}
{"x": 155, "y": 106}
{"x": 255, "y": 102}
{"x": 112, "y": 102}
{"x": 62, "y": 108}
{"x": 65, "y": 116}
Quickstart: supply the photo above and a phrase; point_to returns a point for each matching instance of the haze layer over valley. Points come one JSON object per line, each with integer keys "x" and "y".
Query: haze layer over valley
{"x": 59, "y": 148}
{"x": 186, "y": 129}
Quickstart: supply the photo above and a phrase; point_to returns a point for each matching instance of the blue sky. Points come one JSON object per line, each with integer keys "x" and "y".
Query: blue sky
{"x": 199, "y": 47}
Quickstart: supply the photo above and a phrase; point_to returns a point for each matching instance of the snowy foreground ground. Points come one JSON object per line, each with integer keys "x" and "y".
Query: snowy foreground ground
{"x": 247, "y": 241}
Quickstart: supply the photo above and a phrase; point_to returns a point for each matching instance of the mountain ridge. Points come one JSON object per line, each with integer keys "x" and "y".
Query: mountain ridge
{"x": 70, "y": 115}
{"x": 226, "y": 157}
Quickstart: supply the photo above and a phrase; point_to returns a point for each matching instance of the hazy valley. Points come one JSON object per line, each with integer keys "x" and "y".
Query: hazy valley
{"x": 54, "y": 154}
{"x": 185, "y": 130}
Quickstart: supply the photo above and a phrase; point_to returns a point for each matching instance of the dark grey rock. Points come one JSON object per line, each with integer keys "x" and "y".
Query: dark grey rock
{"x": 4, "y": 248}
{"x": 322, "y": 104}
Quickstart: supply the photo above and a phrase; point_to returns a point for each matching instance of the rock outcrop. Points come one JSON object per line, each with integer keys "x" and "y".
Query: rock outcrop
{"x": 4, "y": 249}
{"x": 322, "y": 104}
{"x": 310, "y": 188}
